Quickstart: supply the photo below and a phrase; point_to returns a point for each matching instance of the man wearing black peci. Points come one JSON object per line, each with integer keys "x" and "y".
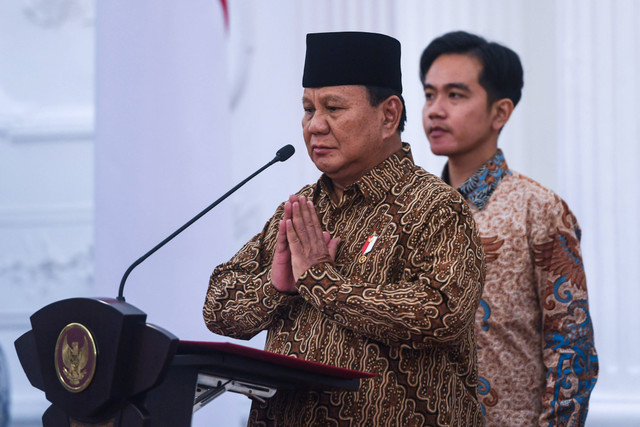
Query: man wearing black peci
{"x": 376, "y": 267}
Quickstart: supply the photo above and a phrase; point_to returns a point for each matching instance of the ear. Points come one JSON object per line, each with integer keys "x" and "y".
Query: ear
{"x": 502, "y": 110}
{"x": 391, "y": 109}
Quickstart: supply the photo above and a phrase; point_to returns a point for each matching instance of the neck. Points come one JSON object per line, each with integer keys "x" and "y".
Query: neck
{"x": 463, "y": 167}
{"x": 337, "y": 193}
{"x": 391, "y": 146}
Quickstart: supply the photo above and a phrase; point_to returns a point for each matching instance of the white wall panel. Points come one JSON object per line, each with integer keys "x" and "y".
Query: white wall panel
{"x": 598, "y": 65}
{"x": 46, "y": 170}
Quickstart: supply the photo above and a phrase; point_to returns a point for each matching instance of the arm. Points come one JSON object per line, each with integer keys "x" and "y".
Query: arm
{"x": 430, "y": 285}
{"x": 241, "y": 300}
{"x": 568, "y": 348}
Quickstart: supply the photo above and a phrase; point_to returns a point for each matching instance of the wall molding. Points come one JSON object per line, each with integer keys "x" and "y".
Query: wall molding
{"x": 74, "y": 214}
{"x": 66, "y": 124}
{"x": 37, "y": 132}
{"x": 55, "y": 13}
{"x": 31, "y": 282}
{"x": 51, "y": 269}
{"x": 53, "y": 257}
{"x": 20, "y": 122}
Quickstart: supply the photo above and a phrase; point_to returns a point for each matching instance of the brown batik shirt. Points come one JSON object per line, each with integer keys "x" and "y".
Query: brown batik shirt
{"x": 402, "y": 306}
{"x": 536, "y": 357}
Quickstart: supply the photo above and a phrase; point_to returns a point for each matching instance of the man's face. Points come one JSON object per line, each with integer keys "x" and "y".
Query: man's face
{"x": 456, "y": 116}
{"x": 342, "y": 131}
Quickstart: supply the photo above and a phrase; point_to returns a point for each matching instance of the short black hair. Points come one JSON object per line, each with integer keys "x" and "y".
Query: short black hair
{"x": 501, "y": 75}
{"x": 377, "y": 94}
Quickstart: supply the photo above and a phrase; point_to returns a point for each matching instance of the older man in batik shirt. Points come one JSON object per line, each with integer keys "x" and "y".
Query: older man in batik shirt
{"x": 536, "y": 357}
{"x": 376, "y": 267}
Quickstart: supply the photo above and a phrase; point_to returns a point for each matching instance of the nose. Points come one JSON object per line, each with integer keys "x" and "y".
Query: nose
{"x": 318, "y": 123}
{"x": 435, "y": 108}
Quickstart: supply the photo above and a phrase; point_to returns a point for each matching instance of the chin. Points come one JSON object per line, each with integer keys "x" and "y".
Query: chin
{"x": 324, "y": 167}
{"x": 441, "y": 150}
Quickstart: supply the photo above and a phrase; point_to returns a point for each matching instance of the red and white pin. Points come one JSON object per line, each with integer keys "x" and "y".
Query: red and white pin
{"x": 368, "y": 246}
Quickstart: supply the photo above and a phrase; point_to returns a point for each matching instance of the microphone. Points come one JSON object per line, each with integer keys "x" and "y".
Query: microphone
{"x": 281, "y": 155}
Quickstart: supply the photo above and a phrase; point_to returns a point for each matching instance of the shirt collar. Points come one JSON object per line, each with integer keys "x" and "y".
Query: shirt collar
{"x": 376, "y": 183}
{"x": 481, "y": 185}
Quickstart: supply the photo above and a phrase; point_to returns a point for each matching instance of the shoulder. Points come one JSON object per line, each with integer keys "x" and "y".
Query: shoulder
{"x": 528, "y": 190}
{"x": 425, "y": 196}
{"x": 521, "y": 192}
{"x": 418, "y": 180}
{"x": 307, "y": 190}
{"x": 429, "y": 188}
{"x": 524, "y": 186}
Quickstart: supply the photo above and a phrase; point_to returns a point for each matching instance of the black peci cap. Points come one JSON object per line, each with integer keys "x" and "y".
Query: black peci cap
{"x": 352, "y": 58}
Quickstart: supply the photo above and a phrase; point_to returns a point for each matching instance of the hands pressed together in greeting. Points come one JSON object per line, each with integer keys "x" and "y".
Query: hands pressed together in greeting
{"x": 301, "y": 244}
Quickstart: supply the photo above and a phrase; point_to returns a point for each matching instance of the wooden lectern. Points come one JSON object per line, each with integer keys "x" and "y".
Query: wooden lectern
{"x": 101, "y": 365}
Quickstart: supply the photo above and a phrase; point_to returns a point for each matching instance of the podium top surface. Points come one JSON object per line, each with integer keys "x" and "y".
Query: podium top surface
{"x": 203, "y": 347}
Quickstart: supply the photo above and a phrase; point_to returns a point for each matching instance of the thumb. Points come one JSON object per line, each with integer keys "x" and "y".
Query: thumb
{"x": 327, "y": 237}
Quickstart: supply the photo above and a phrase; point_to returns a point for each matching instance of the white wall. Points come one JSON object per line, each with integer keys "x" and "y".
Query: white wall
{"x": 597, "y": 71}
{"x": 575, "y": 131}
{"x": 46, "y": 168}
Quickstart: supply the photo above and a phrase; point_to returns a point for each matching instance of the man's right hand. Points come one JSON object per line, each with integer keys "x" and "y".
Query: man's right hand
{"x": 281, "y": 270}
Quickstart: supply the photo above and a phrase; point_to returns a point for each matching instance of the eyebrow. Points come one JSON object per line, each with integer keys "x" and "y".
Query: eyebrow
{"x": 327, "y": 98}
{"x": 332, "y": 99}
{"x": 449, "y": 86}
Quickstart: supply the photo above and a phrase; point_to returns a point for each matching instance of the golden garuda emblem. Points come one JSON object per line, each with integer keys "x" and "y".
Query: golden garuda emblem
{"x": 75, "y": 357}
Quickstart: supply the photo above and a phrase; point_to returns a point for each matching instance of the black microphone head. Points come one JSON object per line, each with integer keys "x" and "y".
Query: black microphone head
{"x": 285, "y": 152}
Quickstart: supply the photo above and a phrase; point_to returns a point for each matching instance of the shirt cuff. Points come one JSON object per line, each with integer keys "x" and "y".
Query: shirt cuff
{"x": 322, "y": 281}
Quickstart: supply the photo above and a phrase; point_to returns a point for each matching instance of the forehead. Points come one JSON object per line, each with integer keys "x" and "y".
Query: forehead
{"x": 453, "y": 68}
{"x": 345, "y": 93}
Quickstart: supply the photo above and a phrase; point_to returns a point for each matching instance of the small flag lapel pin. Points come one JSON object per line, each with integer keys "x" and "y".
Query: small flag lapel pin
{"x": 368, "y": 246}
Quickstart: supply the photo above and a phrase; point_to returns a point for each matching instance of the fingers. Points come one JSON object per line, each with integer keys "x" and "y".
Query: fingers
{"x": 306, "y": 223}
{"x": 314, "y": 221}
{"x": 300, "y": 223}
{"x": 287, "y": 229}
{"x": 288, "y": 207}
{"x": 308, "y": 244}
{"x": 306, "y": 238}
{"x": 281, "y": 242}
{"x": 300, "y": 232}
{"x": 292, "y": 237}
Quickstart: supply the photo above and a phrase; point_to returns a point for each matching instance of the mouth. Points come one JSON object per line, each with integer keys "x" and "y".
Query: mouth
{"x": 321, "y": 149}
{"x": 436, "y": 131}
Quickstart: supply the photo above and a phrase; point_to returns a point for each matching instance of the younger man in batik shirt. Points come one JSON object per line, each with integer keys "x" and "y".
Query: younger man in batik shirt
{"x": 537, "y": 362}
{"x": 534, "y": 306}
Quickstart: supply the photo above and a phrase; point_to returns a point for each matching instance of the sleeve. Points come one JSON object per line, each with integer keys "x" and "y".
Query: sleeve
{"x": 568, "y": 347}
{"x": 241, "y": 301}
{"x": 434, "y": 297}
